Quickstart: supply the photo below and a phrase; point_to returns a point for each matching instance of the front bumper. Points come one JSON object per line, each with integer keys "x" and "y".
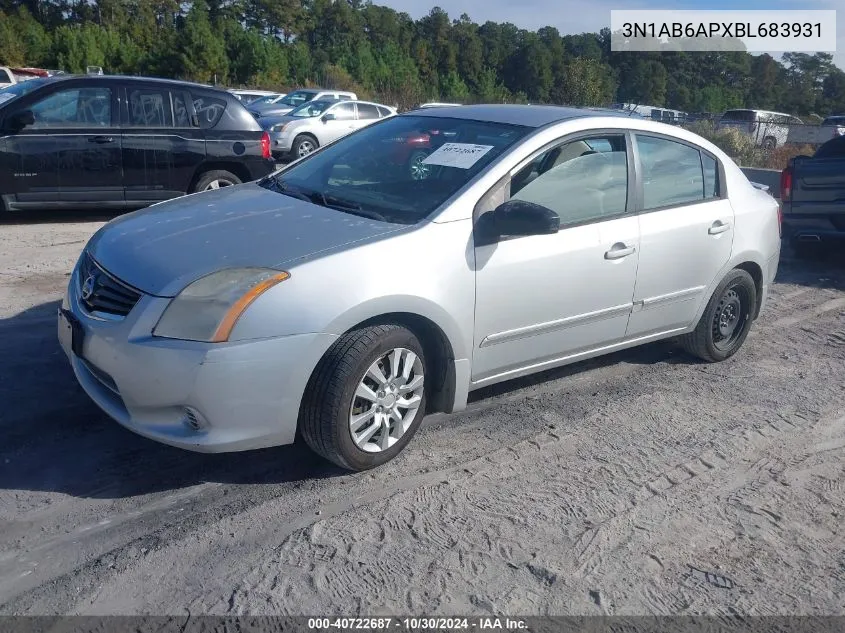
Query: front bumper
{"x": 247, "y": 393}
{"x": 280, "y": 142}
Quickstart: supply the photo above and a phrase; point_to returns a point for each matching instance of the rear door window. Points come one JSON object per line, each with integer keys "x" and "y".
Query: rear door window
{"x": 672, "y": 173}
{"x": 711, "y": 176}
{"x": 367, "y": 111}
{"x": 181, "y": 109}
{"x": 149, "y": 107}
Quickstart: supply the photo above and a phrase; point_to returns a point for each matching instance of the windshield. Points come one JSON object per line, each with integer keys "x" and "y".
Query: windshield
{"x": 312, "y": 108}
{"x": 18, "y": 90}
{"x": 264, "y": 100}
{"x": 297, "y": 98}
{"x": 398, "y": 170}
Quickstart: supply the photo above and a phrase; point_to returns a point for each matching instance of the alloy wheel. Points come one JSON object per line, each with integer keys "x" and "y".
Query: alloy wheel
{"x": 218, "y": 183}
{"x": 305, "y": 148}
{"x": 386, "y": 400}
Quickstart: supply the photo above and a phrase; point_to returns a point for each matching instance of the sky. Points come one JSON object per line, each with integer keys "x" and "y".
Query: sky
{"x": 580, "y": 16}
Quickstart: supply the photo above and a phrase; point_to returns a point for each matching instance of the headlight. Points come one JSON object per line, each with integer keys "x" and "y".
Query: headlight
{"x": 208, "y": 309}
{"x": 278, "y": 127}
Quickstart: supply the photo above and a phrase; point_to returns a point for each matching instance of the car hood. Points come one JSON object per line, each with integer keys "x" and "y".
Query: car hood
{"x": 271, "y": 110}
{"x": 275, "y": 119}
{"x": 163, "y": 248}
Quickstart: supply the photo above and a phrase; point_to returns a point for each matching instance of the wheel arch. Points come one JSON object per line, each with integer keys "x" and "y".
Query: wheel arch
{"x": 310, "y": 135}
{"x": 756, "y": 271}
{"x": 751, "y": 262}
{"x": 446, "y": 351}
{"x": 439, "y": 355}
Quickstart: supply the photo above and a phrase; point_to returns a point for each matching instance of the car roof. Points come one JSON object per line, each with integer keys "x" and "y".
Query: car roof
{"x": 535, "y": 116}
{"x": 757, "y": 111}
{"x": 133, "y": 79}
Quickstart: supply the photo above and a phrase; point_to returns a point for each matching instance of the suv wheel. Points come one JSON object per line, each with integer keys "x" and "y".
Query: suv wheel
{"x": 215, "y": 179}
{"x": 726, "y": 321}
{"x": 366, "y": 398}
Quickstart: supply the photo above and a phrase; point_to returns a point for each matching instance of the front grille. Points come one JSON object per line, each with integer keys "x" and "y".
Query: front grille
{"x": 100, "y": 292}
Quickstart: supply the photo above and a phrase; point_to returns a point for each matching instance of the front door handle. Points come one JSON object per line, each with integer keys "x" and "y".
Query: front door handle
{"x": 719, "y": 227}
{"x": 100, "y": 139}
{"x": 620, "y": 250}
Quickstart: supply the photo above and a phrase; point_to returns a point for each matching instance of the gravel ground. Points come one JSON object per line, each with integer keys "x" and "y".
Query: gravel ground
{"x": 641, "y": 483}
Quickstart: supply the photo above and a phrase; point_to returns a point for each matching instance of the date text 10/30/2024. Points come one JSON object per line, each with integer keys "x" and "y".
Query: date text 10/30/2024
{"x": 417, "y": 624}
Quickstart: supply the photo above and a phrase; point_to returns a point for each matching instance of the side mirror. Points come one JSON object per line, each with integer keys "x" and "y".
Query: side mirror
{"x": 516, "y": 218}
{"x": 329, "y": 117}
{"x": 19, "y": 120}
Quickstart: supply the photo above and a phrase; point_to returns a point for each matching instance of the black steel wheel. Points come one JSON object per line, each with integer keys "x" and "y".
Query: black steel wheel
{"x": 726, "y": 321}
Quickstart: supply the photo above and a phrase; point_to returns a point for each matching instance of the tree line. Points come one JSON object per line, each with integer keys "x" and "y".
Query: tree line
{"x": 385, "y": 54}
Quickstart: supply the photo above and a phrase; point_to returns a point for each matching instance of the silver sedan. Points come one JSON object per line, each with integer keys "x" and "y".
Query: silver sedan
{"x": 319, "y": 123}
{"x": 344, "y": 298}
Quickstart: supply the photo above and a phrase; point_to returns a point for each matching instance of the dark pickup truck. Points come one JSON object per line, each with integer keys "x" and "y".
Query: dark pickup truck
{"x": 813, "y": 196}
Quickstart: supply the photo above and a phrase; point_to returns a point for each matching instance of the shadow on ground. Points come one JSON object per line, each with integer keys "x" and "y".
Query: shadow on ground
{"x": 53, "y": 438}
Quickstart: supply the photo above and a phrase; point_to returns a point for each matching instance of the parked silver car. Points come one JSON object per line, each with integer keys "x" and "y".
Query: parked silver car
{"x": 319, "y": 123}
{"x": 280, "y": 107}
{"x": 345, "y": 299}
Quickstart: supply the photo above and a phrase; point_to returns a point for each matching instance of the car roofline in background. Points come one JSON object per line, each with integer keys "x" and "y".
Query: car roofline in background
{"x": 533, "y": 116}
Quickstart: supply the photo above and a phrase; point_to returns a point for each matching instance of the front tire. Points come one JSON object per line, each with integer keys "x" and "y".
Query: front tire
{"x": 366, "y": 398}
{"x": 726, "y": 321}
{"x": 304, "y": 145}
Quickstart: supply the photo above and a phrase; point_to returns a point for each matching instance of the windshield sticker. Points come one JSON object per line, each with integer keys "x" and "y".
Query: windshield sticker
{"x": 460, "y": 155}
{"x": 5, "y": 96}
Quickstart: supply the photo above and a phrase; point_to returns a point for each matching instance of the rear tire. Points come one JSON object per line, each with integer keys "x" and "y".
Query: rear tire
{"x": 726, "y": 321}
{"x": 215, "y": 179}
{"x": 358, "y": 432}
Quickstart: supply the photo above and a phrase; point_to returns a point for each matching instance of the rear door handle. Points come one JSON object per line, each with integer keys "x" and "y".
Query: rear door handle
{"x": 100, "y": 139}
{"x": 619, "y": 250}
{"x": 719, "y": 227}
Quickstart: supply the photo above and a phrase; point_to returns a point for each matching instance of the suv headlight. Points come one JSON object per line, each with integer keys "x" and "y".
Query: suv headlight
{"x": 279, "y": 127}
{"x": 207, "y": 309}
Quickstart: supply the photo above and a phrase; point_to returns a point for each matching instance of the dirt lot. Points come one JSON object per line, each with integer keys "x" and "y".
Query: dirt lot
{"x": 643, "y": 483}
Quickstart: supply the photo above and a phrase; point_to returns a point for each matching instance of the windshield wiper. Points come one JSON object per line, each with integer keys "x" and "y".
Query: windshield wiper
{"x": 324, "y": 200}
{"x": 280, "y": 187}
{"x": 350, "y": 207}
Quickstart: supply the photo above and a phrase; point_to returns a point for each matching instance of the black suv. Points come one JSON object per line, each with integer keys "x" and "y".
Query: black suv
{"x": 122, "y": 142}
